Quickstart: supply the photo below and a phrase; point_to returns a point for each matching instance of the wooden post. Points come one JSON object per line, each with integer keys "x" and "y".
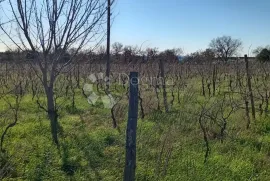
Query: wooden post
{"x": 129, "y": 173}
{"x": 214, "y": 79}
{"x": 162, "y": 74}
{"x": 108, "y": 62}
{"x": 250, "y": 89}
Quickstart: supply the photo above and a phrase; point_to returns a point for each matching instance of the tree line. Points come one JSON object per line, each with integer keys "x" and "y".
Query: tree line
{"x": 221, "y": 49}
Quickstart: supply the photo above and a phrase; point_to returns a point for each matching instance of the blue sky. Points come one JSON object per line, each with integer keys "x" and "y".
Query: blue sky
{"x": 187, "y": 24}
{"x": 191, "y": 24}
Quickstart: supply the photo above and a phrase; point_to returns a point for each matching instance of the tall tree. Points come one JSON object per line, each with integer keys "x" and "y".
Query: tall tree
{"x": 117, "y": 49}
{"x": 48, "y": 28}
{"x": 262, "y": 54}
{"x": 225, "y": 47}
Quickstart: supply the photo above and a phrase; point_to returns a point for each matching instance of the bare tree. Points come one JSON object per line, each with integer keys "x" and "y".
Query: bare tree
{"x": 225, "y": 47}
{"x": 117, "y": 49}
{"x": 49, "y": 28}
{"x": 12, "y": 93}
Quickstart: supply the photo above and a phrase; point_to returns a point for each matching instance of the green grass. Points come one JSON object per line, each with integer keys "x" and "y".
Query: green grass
{"x": 169, "y": 146}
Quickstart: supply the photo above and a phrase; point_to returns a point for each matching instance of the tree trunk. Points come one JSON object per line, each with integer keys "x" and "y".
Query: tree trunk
{"x": 214, "y": 80}
{"x": 207, "y": 151}
{"x": 141, "y": 105}
{"x": 178, "y": 95}
{"x": 203, "y": 90}
{"x": 78, "y": 75}
{"x": 247, "y": 113}
{"x": 209, "y": 88}
{"x": 52, "y": 114}
{"x": 250, "y": 89}
{"x": 266, "y": 103}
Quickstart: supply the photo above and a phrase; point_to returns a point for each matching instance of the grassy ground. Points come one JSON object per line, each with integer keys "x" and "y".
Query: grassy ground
{"x": 169, "y": 146}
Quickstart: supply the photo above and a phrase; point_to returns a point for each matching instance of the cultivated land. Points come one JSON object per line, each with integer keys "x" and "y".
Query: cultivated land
{"x": 208, "y": 133}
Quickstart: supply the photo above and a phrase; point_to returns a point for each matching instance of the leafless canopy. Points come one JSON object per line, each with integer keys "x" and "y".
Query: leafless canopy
{"x": 47, "y": 29}
{"x": 51, "y": 27}
{"x": 225, "y": 47}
